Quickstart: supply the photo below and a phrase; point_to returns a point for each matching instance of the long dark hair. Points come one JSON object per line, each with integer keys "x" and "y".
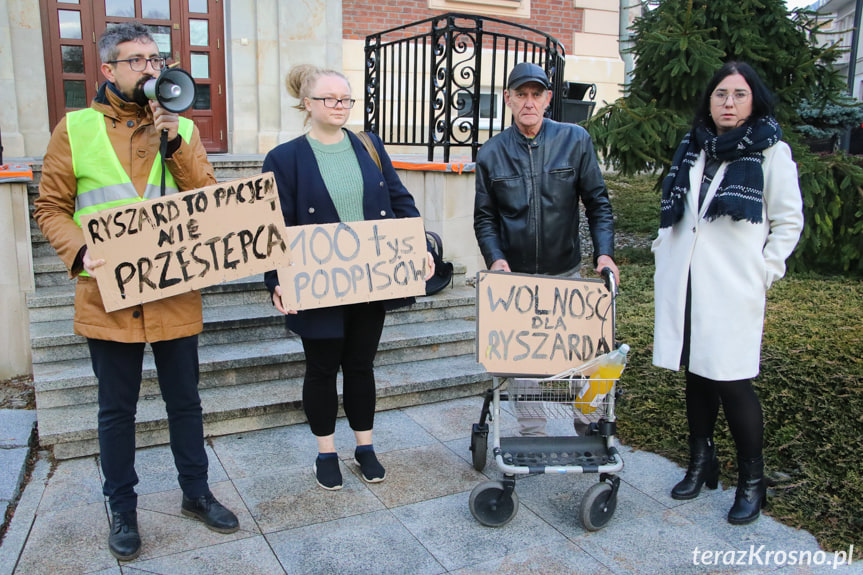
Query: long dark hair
{"x": 763, "y": 100}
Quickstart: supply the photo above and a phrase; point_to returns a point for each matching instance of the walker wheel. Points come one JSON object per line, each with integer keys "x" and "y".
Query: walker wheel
{"x": 479, "y": 449}
{"x": 597, "y": 506}
{"x": 490, "y": 506}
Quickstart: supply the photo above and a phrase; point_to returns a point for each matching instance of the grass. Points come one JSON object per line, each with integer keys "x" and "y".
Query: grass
{"x": 811, "y": 384}
{"x": 636, "y": 203}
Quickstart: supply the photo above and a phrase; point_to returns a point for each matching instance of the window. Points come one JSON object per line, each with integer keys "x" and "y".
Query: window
{"x": 506, "y": 8}
{"x": 187, "y": 32}
{"x": 490, "y": 109}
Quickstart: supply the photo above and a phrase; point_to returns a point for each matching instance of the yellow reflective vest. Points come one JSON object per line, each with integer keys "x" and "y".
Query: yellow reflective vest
{"x": 102, "y": 181}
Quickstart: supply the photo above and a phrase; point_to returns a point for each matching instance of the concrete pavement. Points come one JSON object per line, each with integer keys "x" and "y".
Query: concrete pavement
{"x": 16, "y": 431}
{"x": 417, "y": 521}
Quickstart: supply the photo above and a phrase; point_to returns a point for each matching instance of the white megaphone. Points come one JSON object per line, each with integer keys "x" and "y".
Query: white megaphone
{"x": 174, "y": 89}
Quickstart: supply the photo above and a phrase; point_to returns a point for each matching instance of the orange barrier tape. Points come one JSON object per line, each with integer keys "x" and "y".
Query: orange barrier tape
{"x": 16, "y": 172}
{"x": 457, "y": 167}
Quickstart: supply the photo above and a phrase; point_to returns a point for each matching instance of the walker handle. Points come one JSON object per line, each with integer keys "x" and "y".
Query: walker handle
{"x": 608, "y": 276}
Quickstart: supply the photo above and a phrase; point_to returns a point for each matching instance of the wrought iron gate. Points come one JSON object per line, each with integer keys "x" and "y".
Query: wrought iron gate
{"x": 438, "y": 83}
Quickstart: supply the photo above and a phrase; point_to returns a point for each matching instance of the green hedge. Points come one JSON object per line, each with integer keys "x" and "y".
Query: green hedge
{"x": 832, "y": 189}
{"x": 811, "y": 383}
{"x": 811, "y": 390}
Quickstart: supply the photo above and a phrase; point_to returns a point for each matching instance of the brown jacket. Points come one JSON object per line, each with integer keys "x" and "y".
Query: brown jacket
{"x": 136, "y": 143}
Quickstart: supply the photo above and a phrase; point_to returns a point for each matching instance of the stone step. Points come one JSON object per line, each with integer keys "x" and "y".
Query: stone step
{"x": 55, "y": 340}
{"x": 234, "y": 166}
{"x": 41, "y": 247}
{"x": 50, "y": 303}
{"x": 53, "y": 282}
{"x": 50, "y": 271}
{"x": 71, "y": 382}
{"x": 251, "y": 368}
{"x": 53, "y": 303}
{"x": 260, "y": 405}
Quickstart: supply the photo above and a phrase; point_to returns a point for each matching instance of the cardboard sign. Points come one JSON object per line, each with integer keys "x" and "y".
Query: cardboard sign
{"x": 539, "y": 326}
{"x": 186, "y": 241}
{"x": 343, "y": 263}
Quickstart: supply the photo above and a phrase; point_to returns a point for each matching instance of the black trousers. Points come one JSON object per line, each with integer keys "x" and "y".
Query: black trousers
{"x": 355, "y": 354}
{"x": 740, "y": 404}
{"x": 118, "y": 368}
{"x": 738, "y": 399}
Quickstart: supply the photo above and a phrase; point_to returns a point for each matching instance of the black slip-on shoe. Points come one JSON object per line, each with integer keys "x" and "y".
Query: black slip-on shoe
{"x": 370, "y": 468}
{"x": 327, "y": 473}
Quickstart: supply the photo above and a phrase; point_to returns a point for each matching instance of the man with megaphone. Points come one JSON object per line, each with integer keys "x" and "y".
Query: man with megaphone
{"x": 106, "y": 156}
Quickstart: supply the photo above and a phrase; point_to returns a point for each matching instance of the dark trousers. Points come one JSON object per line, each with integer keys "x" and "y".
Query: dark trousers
{"x": 118, "y": 368}
{"x": 355, "y": 354}
{"x": 740, "y": 404}
{"x": 738, "y": 399}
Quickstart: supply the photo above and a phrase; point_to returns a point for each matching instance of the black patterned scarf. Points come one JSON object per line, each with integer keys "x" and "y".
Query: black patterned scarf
{"x": 740, "y": 194}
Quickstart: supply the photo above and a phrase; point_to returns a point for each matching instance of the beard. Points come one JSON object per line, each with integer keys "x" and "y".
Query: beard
{"x": 138, "y": 95}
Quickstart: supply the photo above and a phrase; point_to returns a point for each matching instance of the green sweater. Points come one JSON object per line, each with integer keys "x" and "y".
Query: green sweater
{"x": 341, "y": 173}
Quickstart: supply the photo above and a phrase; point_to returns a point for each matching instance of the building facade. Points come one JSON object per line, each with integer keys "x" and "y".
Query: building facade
{"x": 839, "y": 16}
{"x": 239, "y": 52}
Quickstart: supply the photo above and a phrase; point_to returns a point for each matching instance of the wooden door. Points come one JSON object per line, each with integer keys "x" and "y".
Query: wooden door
{"x": 189, "y": 33}
{"x": 203, "y": 55}
{"x": 71, "y": 61}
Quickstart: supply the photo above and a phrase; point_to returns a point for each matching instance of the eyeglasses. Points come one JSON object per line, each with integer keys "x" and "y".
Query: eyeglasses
{"x": 739, "y": 96}
{"x": 140, "y": 64}
{"x": 347, "y": 103}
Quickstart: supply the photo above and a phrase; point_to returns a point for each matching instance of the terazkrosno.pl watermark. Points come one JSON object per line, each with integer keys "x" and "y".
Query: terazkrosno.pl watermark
{"x": 760, "y": 555}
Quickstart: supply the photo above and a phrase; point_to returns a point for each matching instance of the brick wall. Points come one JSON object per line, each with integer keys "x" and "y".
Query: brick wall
{"x": 363, "y": 17}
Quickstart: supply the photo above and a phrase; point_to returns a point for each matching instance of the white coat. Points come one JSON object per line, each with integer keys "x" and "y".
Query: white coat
{"x": 732, "y": 264}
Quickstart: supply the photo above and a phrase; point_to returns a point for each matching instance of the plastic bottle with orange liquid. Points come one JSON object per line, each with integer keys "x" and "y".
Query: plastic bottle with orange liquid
{"x": 603, "y": 371}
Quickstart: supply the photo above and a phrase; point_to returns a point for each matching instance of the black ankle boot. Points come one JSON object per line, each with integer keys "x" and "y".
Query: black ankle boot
{"x": 703, "y": 469}
{"x": 124, "y": 542}
{"x": 751, "y": 492}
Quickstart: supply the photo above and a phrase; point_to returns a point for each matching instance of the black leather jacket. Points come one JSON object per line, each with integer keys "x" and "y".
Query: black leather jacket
{"x": 527, "y": 192}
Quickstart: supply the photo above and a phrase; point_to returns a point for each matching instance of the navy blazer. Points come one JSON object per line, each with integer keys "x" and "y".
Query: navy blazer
{"x": 305, "y": 200}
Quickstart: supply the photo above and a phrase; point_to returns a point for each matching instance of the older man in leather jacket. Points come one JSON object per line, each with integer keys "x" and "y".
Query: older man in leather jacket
{"x": 529, "y": 179}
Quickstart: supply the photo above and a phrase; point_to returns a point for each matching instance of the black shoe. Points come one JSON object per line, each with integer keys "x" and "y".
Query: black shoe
{"x": 370, "y": 468}
{"x": 124, "y": 540}
{"x": 751, "y": 493}
{"x": 327, "y": 473}
{"x": 703, "y": 469}
{"x": 214, "y": 515}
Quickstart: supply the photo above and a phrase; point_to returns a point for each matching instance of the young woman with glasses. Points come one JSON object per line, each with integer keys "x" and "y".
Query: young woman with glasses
{"x": 731, "y": 215}
{"x": 328, "y": 176}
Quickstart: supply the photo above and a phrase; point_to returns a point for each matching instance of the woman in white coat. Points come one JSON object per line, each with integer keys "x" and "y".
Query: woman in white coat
{"x": 731, "y": 216}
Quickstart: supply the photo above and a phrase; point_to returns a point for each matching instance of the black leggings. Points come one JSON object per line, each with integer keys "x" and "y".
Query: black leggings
{"x": 742, "y": 411}
{"x": 355, "y": 354}
{"x": 738, "y": 398}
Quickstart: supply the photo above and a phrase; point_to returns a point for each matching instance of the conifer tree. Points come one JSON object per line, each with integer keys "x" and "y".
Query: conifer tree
{"x": 678, "y": 45}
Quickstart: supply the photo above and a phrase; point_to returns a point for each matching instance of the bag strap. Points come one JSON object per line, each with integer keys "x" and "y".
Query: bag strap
{"x": 370, "y": 148}
{"x": 436, "y": 241}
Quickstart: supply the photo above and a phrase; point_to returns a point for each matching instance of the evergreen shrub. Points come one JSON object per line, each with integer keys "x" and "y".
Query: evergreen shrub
{"x": 678, "y": 45}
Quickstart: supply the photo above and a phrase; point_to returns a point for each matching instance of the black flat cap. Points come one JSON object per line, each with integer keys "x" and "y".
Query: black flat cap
{"x": 527, "y": 72}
